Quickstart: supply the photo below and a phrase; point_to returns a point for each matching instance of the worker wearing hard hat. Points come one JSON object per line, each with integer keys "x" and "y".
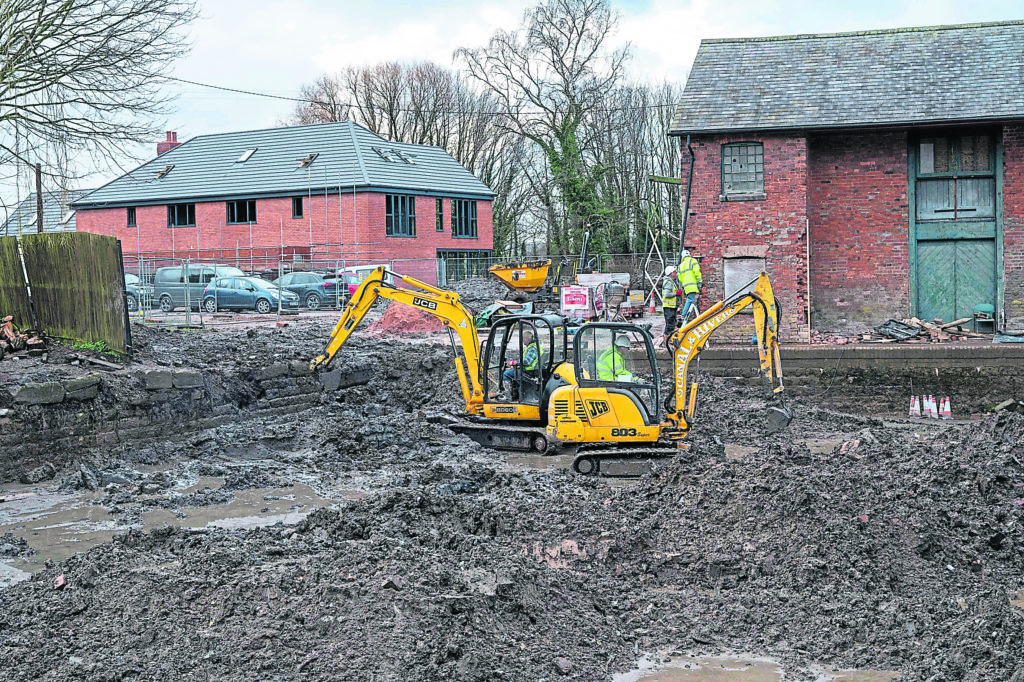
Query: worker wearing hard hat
{"x": 691, "y": 280}
{"x": 611, "y": 365}
{"x": 670, "y": 293}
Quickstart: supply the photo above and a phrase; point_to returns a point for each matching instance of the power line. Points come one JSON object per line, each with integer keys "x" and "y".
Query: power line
{"x": 351, "y": 105}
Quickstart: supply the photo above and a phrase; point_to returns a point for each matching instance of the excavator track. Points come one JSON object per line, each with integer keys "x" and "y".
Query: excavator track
{"x": 517, "y": 438}
{"x": 590, "y": 461}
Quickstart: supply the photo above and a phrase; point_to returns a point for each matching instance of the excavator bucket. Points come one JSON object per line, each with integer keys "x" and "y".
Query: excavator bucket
{"x": 778, "y": 418}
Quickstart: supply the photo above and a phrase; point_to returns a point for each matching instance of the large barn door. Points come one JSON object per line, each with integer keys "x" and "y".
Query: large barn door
{"x": 953, "y": 276}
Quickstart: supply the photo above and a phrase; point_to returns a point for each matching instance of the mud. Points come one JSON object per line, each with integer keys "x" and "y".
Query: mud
{"x": 398, "y": 550}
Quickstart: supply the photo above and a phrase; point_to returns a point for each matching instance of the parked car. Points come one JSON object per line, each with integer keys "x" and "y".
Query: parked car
{"x": 313, "y": 289}
{"x": 169, "y": 283}
{"x": 137, "y": 293}
{"x": 246, "y": 293}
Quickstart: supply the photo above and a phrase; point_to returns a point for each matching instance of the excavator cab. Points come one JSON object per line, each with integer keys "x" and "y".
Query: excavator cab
{"x": 520, "y": 358}
{"x": 618, "y": 359}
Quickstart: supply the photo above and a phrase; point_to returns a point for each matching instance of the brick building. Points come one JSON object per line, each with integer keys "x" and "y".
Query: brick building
{"x": 324, "y": 192}
{"x": 875, "y": 174}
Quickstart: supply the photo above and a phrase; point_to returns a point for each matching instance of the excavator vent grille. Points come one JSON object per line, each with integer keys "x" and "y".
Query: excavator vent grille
{"x": 581, "y": 412}
{"x": 561, "y": 408}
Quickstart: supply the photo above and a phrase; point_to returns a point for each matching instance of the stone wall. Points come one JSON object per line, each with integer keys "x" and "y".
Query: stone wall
{"x": 52, "y": 422}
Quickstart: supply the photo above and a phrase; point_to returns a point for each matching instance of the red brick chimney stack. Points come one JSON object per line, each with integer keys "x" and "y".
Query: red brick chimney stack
{"x": 167, "y": 145}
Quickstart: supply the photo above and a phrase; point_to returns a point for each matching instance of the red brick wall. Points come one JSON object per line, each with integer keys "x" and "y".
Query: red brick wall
{"x": 1013, "y": 226}
{"x": 360, "y": 238}
{"x": 776, "y": 226}
{"x": 857, "y": 198}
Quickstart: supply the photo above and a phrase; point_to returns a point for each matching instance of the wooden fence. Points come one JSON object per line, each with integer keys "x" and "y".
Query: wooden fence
{"x": 14, "y": 299}
{"x": 76, "y": 282}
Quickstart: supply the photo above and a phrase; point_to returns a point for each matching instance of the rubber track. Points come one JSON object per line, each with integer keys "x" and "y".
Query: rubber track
{"x": 661, "y": 451}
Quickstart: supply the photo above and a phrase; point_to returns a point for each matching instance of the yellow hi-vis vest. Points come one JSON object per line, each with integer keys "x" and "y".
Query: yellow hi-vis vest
{"x": 689, "y": 275}
{"x": 611, "y": 366}
{"x": 668, "y": 292}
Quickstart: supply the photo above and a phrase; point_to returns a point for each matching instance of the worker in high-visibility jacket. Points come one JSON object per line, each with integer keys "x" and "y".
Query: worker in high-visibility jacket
{"x": 670, "y": 292}
{"x": 611, "y": 365}
{"x": 691, "y": 280}
{"x": 531, "y": 357}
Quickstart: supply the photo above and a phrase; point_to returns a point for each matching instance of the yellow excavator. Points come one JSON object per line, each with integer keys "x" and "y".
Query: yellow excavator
{"x": 528, "y": 389}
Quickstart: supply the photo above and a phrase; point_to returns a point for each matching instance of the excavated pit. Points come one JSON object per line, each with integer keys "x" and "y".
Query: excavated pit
{"x": 305, "y": 533}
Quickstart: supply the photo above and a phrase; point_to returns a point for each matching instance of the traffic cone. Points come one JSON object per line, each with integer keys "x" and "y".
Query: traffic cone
{"x": 652, "y": 308}
{"x": 946, "y": 412}
{"x": 915, "y": 406}
{"x": 933, "y": 410}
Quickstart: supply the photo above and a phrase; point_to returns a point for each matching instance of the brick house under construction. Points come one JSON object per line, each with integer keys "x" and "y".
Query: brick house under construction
{"x": 875, "y": 174}
{"x": 321, "y": 192}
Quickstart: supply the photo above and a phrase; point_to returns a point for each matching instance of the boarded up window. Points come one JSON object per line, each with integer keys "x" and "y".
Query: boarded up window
{"x": 741, "y": 274}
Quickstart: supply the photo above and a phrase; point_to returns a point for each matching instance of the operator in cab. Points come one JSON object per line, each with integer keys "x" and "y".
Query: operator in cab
{"x": 611, "y": 365}
{"x": 531, "y": 356}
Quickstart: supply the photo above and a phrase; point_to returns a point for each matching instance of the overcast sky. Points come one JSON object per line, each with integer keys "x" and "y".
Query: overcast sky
{"x": 274, "y": 46}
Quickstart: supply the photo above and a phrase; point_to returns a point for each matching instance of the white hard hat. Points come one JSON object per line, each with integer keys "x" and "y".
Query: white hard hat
{"x": 683, "y": 254}
{"x": 622, "y": 341}
{"x": 670, "y": 269}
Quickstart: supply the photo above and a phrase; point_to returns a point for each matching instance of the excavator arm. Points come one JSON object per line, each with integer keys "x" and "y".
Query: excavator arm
{"x": 689, "y": 341}
{"x": 444, "y": 305}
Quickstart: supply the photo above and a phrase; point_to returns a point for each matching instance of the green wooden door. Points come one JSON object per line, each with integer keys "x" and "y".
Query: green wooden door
{"x": 935, "y": 285}
{"x": 953, "y": 276}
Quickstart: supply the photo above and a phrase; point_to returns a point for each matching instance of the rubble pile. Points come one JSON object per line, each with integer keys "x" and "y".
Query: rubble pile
{"x": 14, "y": 342}
{"x": 477, "y": 293}
{"x": 403, "y": 319}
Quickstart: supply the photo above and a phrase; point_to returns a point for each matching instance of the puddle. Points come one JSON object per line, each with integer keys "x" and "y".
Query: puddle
{"x": 736, "y": 669}
{"x": 57, "y": 525}
{"x": 735, "y": 452}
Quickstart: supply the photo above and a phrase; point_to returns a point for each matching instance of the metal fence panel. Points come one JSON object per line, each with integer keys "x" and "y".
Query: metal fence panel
{"x": 14, "y": 298}
{"x": 77, "y": 286}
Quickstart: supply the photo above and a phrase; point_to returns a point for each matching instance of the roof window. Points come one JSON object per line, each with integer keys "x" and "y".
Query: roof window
{"x": 308, "y": 161}
{"x": 245, "y": 155}
{"x": 392, "y": 155}
{"x": 66, "y": 218}
{"x": 164, "y": 172}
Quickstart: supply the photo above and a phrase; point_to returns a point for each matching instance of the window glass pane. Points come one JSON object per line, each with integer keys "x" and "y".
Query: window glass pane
{"x": 743, "y": 168}
{"x": 934, "y": 155}
{"x": 975, "y": 153}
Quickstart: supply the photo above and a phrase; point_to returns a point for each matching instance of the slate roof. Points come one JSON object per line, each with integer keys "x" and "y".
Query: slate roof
{"x": 22, "y": 219}
{"x": 969, "y": 72}
{"x": 206, "y": 167}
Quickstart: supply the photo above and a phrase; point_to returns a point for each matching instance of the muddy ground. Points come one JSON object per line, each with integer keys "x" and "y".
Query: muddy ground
{"x": 398, "y": 550}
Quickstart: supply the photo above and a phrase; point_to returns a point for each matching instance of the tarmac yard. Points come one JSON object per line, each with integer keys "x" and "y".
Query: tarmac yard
{"x": 259, "y": 527}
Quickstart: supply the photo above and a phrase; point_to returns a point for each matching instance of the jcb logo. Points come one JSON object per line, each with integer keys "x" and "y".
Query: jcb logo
{"x": 429, "y": 305}
{"x": 598, "y": 407}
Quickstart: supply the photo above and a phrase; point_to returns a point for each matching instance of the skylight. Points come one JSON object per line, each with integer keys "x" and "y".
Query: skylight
{"x": 66, "y": 218}
{"x": 392, "y": 155}
{"x": 245, "y": 155}
{"x": 305, "y": 163}
{"x": 165, "y": 171}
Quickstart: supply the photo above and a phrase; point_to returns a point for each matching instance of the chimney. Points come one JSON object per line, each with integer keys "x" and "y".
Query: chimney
{"x": 167, "y": 145}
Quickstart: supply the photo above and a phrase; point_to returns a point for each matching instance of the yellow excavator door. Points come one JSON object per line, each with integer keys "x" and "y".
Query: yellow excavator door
{"x": 618, "y": 394}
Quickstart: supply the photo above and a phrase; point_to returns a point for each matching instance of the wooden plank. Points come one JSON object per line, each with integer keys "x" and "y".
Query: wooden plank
{"x": 956, "y": 323}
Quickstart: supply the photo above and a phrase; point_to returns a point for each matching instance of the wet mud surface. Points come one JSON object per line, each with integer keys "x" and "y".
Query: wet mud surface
{"x": 356, "y": 540}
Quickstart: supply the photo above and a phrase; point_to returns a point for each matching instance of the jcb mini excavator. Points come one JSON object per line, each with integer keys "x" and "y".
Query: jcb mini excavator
{"x": 528, "y": 389}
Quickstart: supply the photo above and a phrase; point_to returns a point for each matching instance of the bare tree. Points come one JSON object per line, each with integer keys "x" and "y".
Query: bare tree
{"x": 85, "y": 74}
{"x": 549, "y": 77}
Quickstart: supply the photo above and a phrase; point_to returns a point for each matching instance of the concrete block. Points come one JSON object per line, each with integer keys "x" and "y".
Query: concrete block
{"x": 83, "y": 388}
{"x": 158, "y": 379}
{"x": 344, "y": 378}
{"x": 278, "y": 369}
{"x": 47, "y": 393}
{"x": 188, "y": 379}
{"x": 299, "y": 368}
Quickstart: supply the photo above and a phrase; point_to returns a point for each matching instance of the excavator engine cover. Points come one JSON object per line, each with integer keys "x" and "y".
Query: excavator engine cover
{"x": 778, "y": 418}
